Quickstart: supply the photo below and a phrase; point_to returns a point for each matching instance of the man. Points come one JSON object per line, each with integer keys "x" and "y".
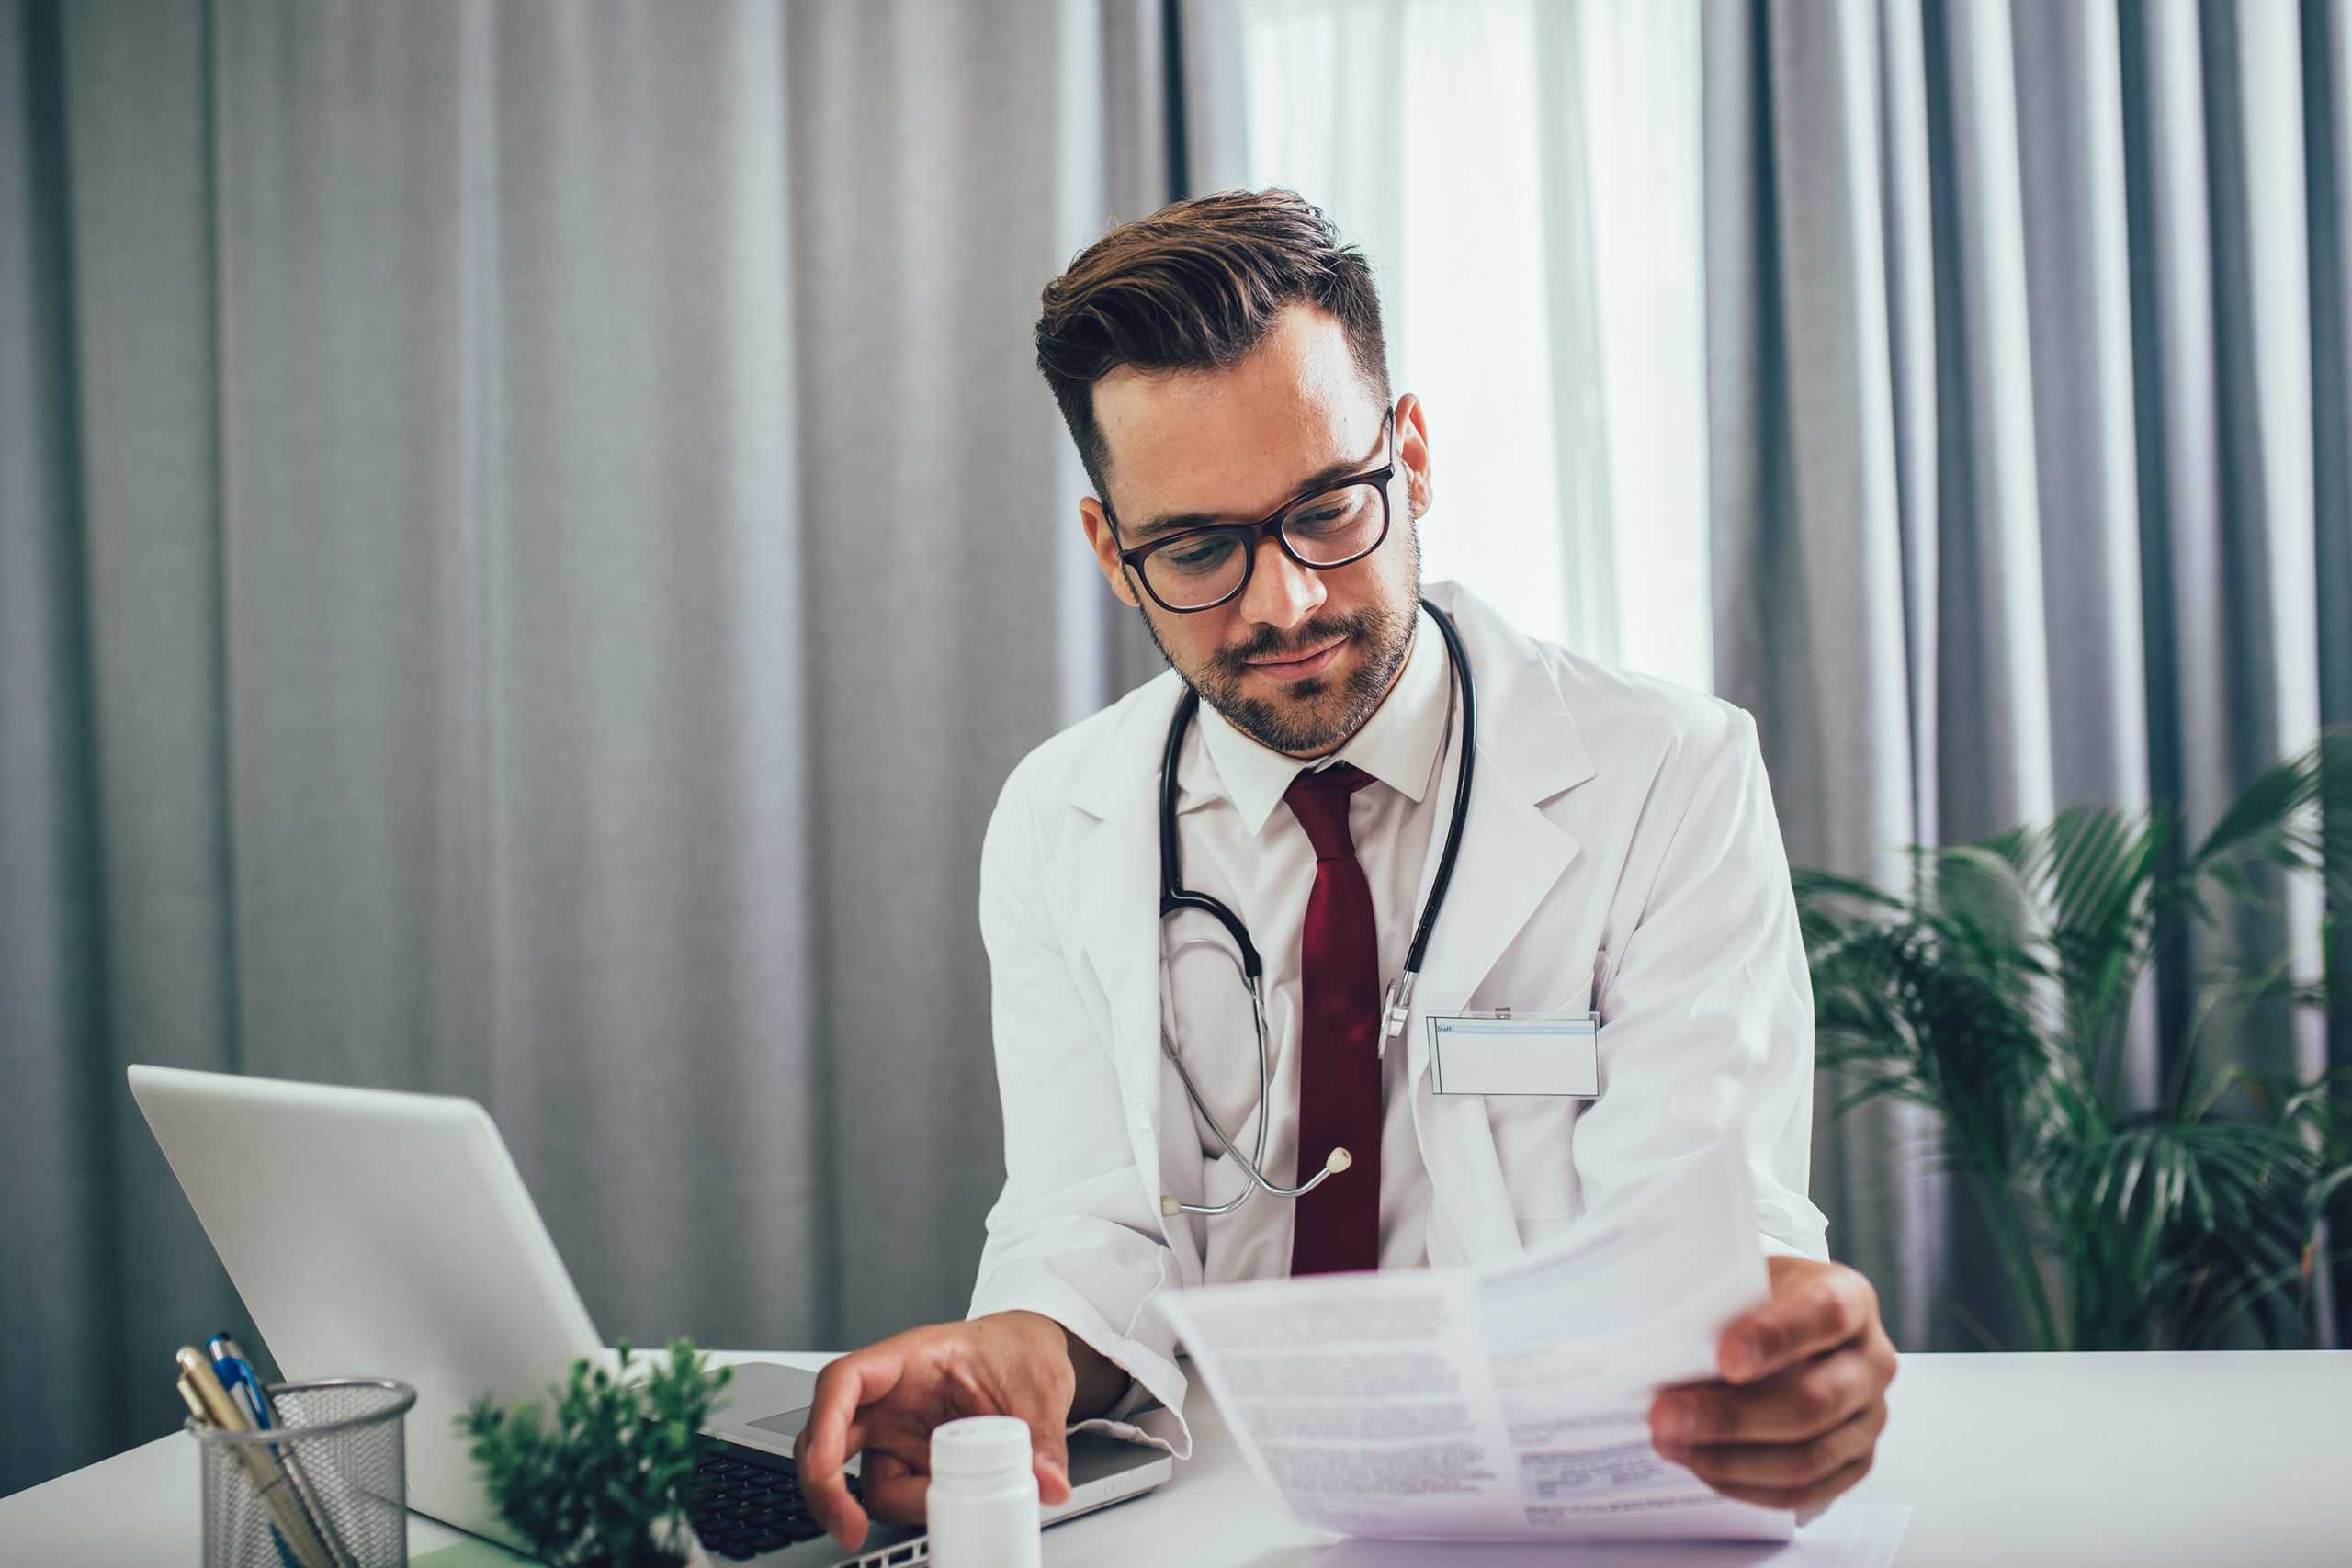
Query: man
{"x": 1221, "y": 367}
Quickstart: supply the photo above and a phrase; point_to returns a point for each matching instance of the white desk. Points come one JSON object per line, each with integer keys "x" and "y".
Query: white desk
{"x": 2008, "y": 1460}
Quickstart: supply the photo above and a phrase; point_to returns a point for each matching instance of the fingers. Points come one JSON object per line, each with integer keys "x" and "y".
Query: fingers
{"x": 1793, "y": 1470}
{"x": 1814, "y": 1307}
{"x": 847, "y": 1385}
{"x": 1792, "y": 1406}
{"x": 1051, "y": 1463}
{"x": 1799, "y": 1435}
{"x": 1036, "y": 1379}
{"x": 885, "y": 1400}
{"x": 894, "y": 1490}
{"x": 1807, "y": 1501}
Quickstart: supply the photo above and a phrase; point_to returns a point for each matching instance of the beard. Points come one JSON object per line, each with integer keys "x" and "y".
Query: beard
{"x": 1317, "y": 714}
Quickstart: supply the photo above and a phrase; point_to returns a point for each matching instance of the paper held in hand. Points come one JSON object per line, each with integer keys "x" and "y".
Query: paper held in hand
{"x": 1506, "y": 1401}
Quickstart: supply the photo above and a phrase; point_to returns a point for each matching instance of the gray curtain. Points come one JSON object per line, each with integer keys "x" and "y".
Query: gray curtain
{"x": 529, "y": 540}
{"x": 2028, "y": 361}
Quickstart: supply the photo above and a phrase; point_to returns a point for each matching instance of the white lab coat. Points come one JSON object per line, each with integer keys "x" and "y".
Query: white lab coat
{"x": 1621, "y": 853}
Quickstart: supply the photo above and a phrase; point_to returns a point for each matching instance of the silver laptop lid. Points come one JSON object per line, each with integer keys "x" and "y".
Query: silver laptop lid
{"x": 376, "y": 1234}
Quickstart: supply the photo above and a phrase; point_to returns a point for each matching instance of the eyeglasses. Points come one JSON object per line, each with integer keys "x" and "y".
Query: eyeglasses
{"x": 1331, "y": 526}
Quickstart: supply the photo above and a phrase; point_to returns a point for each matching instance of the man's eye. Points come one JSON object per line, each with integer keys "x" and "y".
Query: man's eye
{"x": 1197, "y": 556}
{"x": 1324, "y": 517}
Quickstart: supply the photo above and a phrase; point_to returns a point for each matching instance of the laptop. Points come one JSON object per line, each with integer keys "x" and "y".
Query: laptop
{"x": 380, "y": 1234}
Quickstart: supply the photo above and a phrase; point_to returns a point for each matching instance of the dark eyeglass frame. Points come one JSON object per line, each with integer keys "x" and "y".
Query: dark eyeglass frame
{"x": 1252, "y": 533}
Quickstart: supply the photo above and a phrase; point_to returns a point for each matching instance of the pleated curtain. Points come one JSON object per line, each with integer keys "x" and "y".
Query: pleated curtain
{"x": 2028, "y": 359}
{"x": 531, "y": 540}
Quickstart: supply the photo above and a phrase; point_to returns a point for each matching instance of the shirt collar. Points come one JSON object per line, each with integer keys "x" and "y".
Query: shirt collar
{"x": 1398, "y": 744}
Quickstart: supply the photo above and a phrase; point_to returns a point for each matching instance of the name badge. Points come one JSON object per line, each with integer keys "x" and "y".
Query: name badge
{"x": 1497, "y": 1053}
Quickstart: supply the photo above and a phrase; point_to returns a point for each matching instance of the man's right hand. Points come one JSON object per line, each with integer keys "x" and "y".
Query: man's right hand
{"x": 882, "y": 1401}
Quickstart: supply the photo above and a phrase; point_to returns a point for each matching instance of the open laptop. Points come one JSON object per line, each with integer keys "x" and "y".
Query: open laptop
{"x": 387, "y": 1234}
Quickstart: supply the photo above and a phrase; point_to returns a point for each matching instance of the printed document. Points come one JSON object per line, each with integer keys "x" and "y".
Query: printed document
{"x": 1507, "y": 1401}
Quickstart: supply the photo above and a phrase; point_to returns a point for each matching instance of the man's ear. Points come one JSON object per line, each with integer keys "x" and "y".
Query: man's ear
{"x": 1105, "y": 545}
{"x": 1413, "y": 454}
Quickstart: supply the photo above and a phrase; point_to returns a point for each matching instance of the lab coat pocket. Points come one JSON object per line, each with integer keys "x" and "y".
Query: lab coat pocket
{"x": 1534, "y": 1139}
{"x": 1534, "y": 1136}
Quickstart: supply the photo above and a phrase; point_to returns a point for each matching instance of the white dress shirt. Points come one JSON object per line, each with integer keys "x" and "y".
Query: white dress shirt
{"x": 1241, "y": 844}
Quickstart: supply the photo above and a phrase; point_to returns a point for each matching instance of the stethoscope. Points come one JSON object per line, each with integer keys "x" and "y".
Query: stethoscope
{"x": 1174, "y": 897}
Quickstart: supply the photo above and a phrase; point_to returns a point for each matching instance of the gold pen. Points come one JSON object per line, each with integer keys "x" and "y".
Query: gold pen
{"x": 195, "y": 1403}
{"x": 199, "y": 1386}
{"x": 313, "y": 1503}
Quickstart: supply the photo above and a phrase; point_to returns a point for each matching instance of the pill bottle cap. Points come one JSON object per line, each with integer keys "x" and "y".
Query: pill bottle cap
{"x": 980, "y": 1448}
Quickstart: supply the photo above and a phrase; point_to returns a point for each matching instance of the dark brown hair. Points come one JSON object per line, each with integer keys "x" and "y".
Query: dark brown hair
{"x": 1195, "y": 286}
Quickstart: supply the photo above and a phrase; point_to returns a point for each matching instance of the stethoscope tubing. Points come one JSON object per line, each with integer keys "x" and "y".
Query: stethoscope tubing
{"x": 1176, "y": 898}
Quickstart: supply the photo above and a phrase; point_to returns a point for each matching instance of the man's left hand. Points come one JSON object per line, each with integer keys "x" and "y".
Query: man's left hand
{"x": 1796, "y": 1416}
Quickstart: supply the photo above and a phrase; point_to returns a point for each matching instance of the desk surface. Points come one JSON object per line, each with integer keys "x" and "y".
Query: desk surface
{"x": 2125, "y": 1459}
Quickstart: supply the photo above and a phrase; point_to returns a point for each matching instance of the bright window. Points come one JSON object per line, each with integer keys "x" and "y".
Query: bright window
{"x": 1524, "y": 178}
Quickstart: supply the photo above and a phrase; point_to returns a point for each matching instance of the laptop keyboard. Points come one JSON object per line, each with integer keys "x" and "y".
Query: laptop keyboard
{"x": 744, "y": 1503}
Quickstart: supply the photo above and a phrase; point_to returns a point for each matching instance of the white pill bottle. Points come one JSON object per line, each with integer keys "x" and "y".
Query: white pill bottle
{"x": 983, "y": 1496}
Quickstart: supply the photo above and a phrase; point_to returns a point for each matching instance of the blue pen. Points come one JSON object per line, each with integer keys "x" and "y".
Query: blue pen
{"x": 236, "y": 1375}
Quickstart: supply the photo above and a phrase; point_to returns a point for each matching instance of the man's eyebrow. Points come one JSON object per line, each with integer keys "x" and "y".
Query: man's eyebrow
{"x": 1176, "y": 521}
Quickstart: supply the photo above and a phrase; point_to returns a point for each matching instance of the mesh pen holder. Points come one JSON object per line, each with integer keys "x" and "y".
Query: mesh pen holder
{"x": 325, "y": 1488}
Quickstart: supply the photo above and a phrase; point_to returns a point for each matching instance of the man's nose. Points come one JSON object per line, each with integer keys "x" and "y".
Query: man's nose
{"x": 1280, "y": 592}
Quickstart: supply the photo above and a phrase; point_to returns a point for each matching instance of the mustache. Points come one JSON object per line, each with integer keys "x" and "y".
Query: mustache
{"x": 1268, "y": 643}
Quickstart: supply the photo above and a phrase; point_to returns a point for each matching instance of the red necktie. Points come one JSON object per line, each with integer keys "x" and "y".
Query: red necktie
{"x": 1339, "y": 1078}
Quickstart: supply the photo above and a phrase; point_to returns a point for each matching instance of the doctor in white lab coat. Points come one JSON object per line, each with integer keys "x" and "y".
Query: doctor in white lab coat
{"x": 1620, "y": 856}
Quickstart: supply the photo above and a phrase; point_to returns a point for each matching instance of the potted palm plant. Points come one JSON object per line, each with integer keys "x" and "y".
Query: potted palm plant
{"x": 1999, "y": 990}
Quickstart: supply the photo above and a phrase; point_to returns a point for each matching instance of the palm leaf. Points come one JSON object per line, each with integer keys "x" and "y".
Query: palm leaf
{"x": 2099, "y": 870}
{"x": 1997, "y": 992}
{"x": 2296, "y": 816}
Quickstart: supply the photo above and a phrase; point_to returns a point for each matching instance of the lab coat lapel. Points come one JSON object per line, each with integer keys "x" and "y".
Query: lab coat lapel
{"x": 1119, "y": 925}
{"x": 1512, "y": 856}
{"x": 1120, "y": 931}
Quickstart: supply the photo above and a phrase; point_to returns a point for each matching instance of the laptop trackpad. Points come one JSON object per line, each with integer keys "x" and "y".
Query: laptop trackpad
{"x": 782, "y": 1394}
{"x": 785, "y": 1424}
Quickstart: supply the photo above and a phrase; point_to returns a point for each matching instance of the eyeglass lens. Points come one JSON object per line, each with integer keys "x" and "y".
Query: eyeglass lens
{"x": 1331, "y": 529}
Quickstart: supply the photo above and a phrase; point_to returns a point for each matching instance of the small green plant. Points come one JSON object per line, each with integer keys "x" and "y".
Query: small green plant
{"x": 1998, "y": 993}
{"x": 606, "y": 1488}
